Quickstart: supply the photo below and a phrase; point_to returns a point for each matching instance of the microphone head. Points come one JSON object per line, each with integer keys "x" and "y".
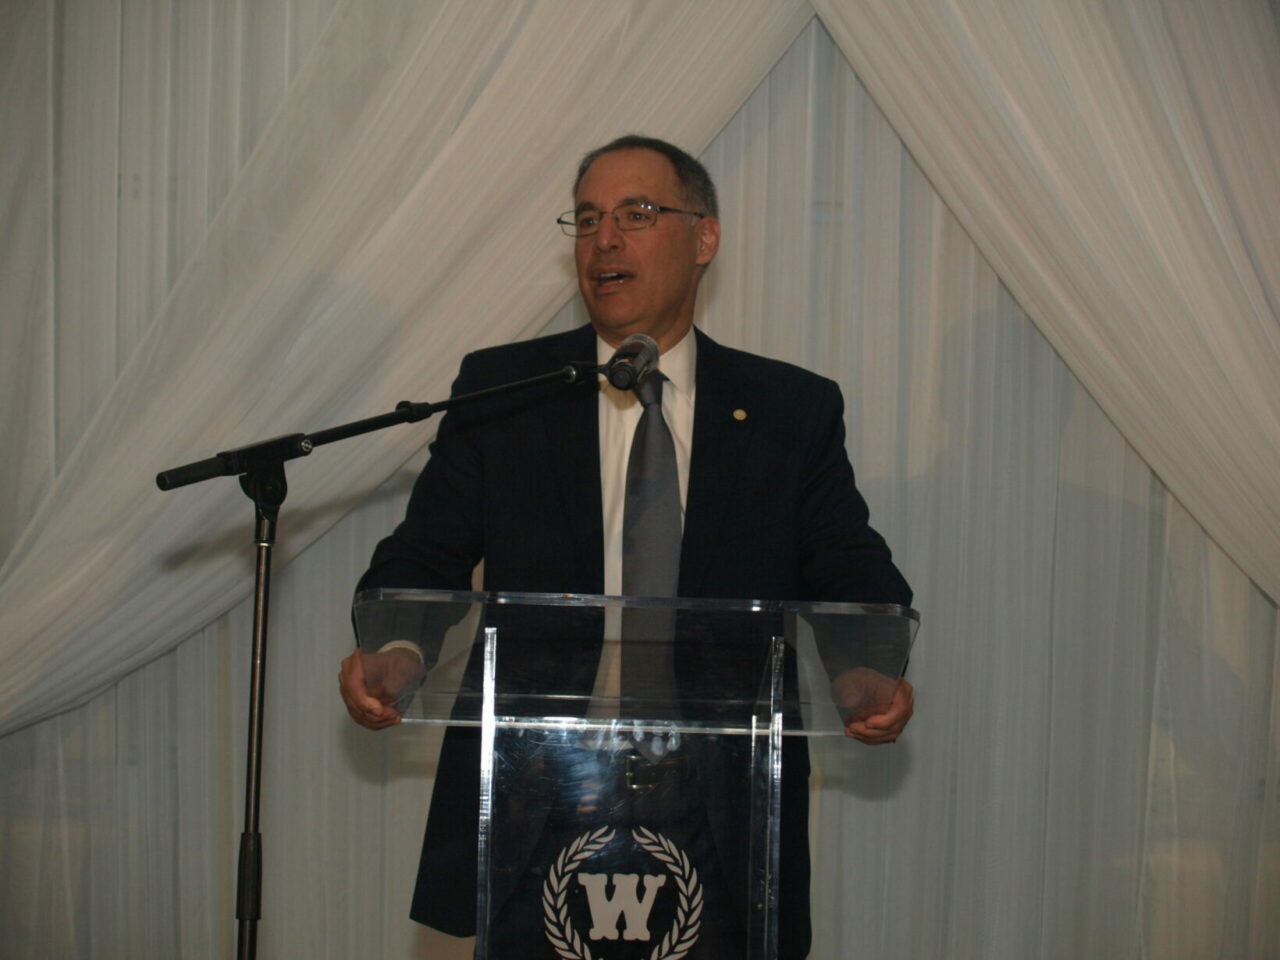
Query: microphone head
{"x": 635, "y": 356}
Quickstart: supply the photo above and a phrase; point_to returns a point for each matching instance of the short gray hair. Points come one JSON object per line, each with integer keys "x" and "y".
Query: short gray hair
{"x": 695, "y": 183}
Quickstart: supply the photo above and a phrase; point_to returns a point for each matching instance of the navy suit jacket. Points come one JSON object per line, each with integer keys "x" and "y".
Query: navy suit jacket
{"x": 771, "y": 513}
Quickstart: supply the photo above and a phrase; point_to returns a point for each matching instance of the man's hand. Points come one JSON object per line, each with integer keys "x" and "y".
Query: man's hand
{"x": 372, "y": 684}
{"x": 875, "y": 707}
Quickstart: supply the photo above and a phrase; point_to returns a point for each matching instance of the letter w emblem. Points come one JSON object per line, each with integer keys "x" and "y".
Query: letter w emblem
{"x": 604, "y": 911}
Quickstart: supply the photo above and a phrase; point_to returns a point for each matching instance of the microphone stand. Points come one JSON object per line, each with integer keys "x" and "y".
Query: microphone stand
{"x": 260, "y": 467}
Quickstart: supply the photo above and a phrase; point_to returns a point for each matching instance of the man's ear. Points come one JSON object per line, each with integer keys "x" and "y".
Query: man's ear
{"x": 708, "y": 240}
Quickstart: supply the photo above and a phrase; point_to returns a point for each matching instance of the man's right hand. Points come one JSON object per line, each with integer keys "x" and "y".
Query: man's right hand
{"x": 371, "y": 684}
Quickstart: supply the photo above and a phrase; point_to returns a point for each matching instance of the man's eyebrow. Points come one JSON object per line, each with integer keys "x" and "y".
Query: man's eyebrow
{"x": 585, "y": 205}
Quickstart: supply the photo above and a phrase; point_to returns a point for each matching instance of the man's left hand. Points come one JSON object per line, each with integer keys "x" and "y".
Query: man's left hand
{"x": 876, "y": 708}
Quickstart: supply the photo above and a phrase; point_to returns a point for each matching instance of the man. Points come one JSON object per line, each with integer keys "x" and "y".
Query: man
{"x": 537, "y": 487}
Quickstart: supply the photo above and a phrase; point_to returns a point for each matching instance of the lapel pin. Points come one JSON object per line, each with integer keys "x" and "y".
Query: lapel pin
{"x": 739, "y": 414}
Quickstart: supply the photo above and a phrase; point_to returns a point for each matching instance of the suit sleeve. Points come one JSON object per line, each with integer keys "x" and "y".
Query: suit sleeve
{"x": 842, "y": 558}
{"x": 440, "y": 540}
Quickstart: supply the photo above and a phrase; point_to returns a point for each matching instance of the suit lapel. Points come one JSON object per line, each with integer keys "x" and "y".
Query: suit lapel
{"x": 573, "y": 442}
{"x": 721, "y": 445}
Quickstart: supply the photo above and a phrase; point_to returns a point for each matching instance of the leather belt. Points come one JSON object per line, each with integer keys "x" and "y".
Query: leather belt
{"x": 644, "y": 774}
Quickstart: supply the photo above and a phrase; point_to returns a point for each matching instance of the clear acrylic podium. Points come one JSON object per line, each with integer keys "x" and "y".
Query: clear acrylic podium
{"x": 631, "y": 753}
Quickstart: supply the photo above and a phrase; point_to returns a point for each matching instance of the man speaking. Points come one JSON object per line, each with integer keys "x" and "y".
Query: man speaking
{"x": 739, "y": 459}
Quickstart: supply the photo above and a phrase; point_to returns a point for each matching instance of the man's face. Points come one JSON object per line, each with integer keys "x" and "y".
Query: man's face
{"x": 640, "y": 281}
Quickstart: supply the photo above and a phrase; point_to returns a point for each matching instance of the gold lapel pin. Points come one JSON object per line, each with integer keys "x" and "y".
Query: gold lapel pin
{"x": 739, "y": 414}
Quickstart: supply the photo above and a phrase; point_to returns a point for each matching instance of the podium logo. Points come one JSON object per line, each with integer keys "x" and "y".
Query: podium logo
{"x": 625, "y": 902}
{"x": 604, "y": 911}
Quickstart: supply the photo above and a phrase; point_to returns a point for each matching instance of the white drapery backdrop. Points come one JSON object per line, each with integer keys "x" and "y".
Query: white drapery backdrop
{"x": 1117, "y": 164}
{"x": 1093, "y": 768}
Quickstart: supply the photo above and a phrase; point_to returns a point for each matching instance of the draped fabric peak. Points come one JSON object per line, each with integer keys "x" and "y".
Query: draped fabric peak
{"x": 397, "y": 212}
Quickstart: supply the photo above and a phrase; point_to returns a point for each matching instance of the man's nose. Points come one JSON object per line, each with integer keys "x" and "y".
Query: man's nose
{"x": 608, "y": 235}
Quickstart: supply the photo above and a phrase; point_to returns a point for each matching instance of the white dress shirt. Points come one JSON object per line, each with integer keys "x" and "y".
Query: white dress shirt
{"x": 619, "y": 415}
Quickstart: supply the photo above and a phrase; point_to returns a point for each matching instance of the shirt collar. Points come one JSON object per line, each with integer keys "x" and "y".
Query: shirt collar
{"x": 678, "y": 364}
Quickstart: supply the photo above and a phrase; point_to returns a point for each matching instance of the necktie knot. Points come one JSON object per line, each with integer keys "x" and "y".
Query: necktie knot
{"x": 649, "y": 389}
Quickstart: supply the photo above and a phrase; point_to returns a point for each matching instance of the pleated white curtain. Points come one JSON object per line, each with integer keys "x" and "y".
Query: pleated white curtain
{"x": 1093, "y": 766}
{"x": 1116, "y": 164}
{"x": 391, "y": 216}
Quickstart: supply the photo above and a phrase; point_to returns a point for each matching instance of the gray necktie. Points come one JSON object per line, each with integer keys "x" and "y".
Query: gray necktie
{"x": 651, "y": 526}
{"x": 651, "y": 532}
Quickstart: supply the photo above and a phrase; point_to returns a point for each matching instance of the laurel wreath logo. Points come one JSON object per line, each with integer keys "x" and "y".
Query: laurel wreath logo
{"x": 683, "y": 934}
{"x": 684, "y": 928}
{"x": 555, "y": 893}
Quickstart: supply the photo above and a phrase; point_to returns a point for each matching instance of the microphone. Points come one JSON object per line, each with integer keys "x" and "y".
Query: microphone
{"x": 635, "y": 356}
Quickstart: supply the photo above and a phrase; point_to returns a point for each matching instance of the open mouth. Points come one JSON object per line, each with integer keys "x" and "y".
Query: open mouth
{"x": 605, "y": 279}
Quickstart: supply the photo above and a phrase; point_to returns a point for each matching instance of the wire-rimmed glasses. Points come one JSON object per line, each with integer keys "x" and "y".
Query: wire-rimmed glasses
{"x": 635, "y": 215}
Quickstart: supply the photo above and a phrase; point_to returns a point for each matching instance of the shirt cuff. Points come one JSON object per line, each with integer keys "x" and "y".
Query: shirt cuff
{"x": 403, "y": 645}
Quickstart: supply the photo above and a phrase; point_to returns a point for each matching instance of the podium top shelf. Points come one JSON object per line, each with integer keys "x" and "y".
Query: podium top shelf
{"x": 586, "y": 600}
{"x": 527, "y": 659}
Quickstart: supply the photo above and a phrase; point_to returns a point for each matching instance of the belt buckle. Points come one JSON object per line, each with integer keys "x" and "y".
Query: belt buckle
{"x": 637, "y": 778}
{"x": 644, "y": 774}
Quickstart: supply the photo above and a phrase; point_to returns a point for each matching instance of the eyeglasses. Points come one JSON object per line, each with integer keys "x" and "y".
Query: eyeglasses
{"x": 637, "y": 215}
